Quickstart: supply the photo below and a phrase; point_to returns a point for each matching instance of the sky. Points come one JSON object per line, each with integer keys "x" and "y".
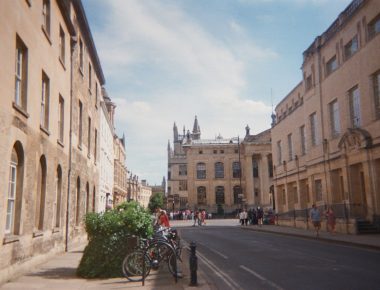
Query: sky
{"x": 228, "y": 62}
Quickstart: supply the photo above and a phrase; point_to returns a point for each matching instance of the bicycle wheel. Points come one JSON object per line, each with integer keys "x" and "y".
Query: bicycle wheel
{"x": 159, "y": 251}
{"x": 173, "y": 263}
{"x": 133, "y": 266}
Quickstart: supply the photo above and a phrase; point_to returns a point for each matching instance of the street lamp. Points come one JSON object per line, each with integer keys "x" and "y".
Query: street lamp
{"x": 241, "y": 188}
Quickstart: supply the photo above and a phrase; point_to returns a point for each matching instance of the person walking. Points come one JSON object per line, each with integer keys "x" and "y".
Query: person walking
{"x": 260, "y": 215}
{"x": 330, "y": 218}
{"x": 315, "y": 217}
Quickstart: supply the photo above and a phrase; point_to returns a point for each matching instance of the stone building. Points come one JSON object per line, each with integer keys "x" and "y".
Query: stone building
{"x": 221, "y": 174}
{"x": 106, "y": 152}
{"x": 49, "y": 119}
{"x": 87, "y": 80}
{"x": 144, "y": 194}
{"x": 327, "y": 134}
{"x": 120, "y": 190}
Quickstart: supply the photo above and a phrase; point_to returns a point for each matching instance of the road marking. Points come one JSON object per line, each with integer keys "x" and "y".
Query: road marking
{"x": 222, "y": 275}
{"x": 257, "y": 275}
{"x": 214, "y": 251}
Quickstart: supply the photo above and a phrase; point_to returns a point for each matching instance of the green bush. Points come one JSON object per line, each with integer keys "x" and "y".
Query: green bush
{"x": 110, "y": 239}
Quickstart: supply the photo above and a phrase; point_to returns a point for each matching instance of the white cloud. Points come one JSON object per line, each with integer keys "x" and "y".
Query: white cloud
{"x": 166, "y": 68}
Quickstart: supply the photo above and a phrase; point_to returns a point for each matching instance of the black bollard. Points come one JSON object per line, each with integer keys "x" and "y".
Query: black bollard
{"x": 193, "y": 264}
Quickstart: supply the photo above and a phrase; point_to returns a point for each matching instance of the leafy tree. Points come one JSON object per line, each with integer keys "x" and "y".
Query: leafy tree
{"x": 111, "y": 236}
{"x": 156, "y": 200}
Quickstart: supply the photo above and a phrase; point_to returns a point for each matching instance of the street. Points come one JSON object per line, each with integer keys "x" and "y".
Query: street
{"x": 233, "y": 258}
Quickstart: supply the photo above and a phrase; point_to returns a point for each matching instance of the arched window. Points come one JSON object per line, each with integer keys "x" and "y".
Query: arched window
{"x": 201, "y": 195}
{"x": 237, "y": 191}
{"x": 219, "y": 170}
{"x": 87, "y": 197}
{"x": 77, "y": 212}
{"x": 15, "y": 186}
{"x": 58, "y": 197}
{"x": 93, "y": 200}
{"x": 236, "y": 171}
{"x": 201, "y": 171}
{"x": 219, "y": 195}
{"x": 41, "y": 195}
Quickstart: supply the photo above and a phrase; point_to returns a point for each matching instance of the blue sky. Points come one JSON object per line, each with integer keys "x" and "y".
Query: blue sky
{"x": 166, "y": 61}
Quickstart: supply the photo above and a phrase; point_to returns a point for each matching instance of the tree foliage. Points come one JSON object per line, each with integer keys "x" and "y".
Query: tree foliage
{"x": 111, "y": 236}
{"x": 156, "y": 200}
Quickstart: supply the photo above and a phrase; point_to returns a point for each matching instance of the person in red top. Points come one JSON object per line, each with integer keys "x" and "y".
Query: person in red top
{"x": 163, "y": 219}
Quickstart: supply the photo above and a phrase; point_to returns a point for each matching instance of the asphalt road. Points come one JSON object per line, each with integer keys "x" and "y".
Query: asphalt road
{"x": 233, "y": 258}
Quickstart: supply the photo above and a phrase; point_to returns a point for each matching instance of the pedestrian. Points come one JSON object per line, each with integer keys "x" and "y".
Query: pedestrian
{"x": 330, "y": 218}
{"x": 315, "y": 217}
{"x": 260, "y": 215}
{"x": 199, "y": 217}
{"x": 163, "y": 219}
{"x": 243, "y": 216}
{"x": 203, "y": 217}
{"x": 195, "y": 214}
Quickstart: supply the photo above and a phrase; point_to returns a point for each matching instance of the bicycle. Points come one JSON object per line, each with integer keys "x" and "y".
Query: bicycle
{"x": 150, "y": 254}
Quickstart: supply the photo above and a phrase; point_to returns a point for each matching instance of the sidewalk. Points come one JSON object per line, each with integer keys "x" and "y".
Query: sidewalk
{"x": 60, "y": 274}
{"x": 368, "y": 241}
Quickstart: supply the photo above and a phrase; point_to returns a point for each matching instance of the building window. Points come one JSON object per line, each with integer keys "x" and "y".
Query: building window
{"x": 80, "y": 123}
{"x": 219, "y": 195}
{"x": 58, "y": 198}
{"x": 237, "y": 194}
{"x": 21, "y": 75}
{"x": 45, "y": 98}
{"x": 236, "y": 170}
{"x": 201, "y": 171}
{"x": 215, "y": 151}
{"x": 303, "y": 139}
{"x": 95, "y": 144}
{"x": 279, "y": 153}
{"x": 313, "y": 129}
{"x": 290, "y": 146}
{"x": 270, "y": 165}
{"x": 318, "y": 189}
{"x": 376, "y": 93}
{"x": 77, "y": 205}
{"x": 81, "y": 55}
{"x": 15, "y": 186}
{"x": 182, "y": 185}
{"x": 87, "y": 197}
{"x": 182, "y": 170}
{"x": 331, "y": 65}
{"x": 354, "y": 97}
{"x": 89, "y": 77}
{"x": 61, "y": 119}
{"x": 255, "y": 168}
{"x": 219, "y": 170}
{"x": 374, "y": 27}
{"x": 62, "y": 47}
{"x": 308, "y": 83}
{"x": 201, "y": 195}
{"x": 200, "y": 152}
{"x": 93, "y": 199}
{"x": 351, "y": 47}
{"x": 89, "y": 137}
{"x": 334, "y": 119}
{"x": 46, "y": 16}
{"x": 96, "y": 94}
{"x": 41, "y": 195}
{"x": 221, "y": 151}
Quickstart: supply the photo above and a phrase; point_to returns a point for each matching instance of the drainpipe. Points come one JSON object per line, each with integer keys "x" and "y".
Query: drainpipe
{"x": 72, "y": 47}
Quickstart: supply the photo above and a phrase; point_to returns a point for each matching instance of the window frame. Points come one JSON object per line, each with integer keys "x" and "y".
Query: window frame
{"x": 201, "y": 170}
{"x": 219, "y": 170}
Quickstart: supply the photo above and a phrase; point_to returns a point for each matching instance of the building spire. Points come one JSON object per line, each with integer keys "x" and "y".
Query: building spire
{"x": 175, "y": 132}
{"x": 196, "y": 130}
